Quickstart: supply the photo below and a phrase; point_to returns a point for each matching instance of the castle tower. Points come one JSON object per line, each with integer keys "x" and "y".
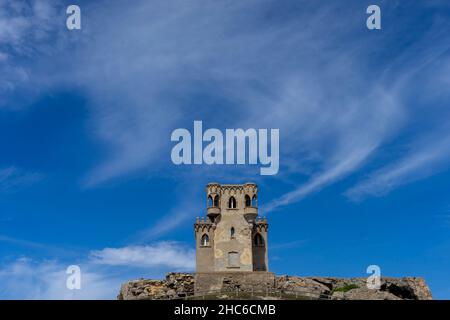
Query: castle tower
{"x": 231, "y": 238}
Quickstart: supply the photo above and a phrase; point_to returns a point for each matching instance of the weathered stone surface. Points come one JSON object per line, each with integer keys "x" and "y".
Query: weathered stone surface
{"x": 244, "y": 281}
{"x": 178, "y": 285}
{"x": 364, "y": 294}
{"x": 175, "y": 285}
{"x": 407, "y": 288}
{"x": 288, "y": 284}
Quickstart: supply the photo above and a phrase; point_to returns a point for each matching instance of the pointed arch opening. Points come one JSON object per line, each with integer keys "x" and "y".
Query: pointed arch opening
{"x": 258, "y": 240}
{"x": 232, "y": 203}
{"x": 248, "y": 201}
{"x": 210, "y": 201}
{"x": 254, "y": 202}
{"x": 205, "y": 240}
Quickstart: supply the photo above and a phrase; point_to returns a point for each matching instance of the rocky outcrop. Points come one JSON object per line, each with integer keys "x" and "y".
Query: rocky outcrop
{"x": 299, "y": 285}
{"x": 176, "y": 285}
{"x": 408, "y": 288}
{"x": 180, "y": 285}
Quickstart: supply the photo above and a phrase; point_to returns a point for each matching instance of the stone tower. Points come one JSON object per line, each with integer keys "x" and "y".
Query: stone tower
{"x": 232, "y": 238}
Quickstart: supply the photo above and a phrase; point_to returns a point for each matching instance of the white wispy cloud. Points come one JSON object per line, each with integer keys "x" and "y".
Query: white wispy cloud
{"x": 316, "y": 183}
{"x": 27, "y": 32}
{"x": 447, "y": 220}
{"x": 187, "y": 203}
{"x": 179, "y": 215}
{"x": 288, "y": 245}
{"x": 167, "y": 57}
{"x": 21, "y": 22}
{"x": 423, "y": 160}
{"x": 25, "y": 243}
{"x": 26, "y": 278}
{"x": 392, "y": 115}
{"x": 43, "y": 248}
{"x": 167, "y": 254}
{"x": 13, "y": 179}
{"x": 138, "y": 90}
{"x": 102, "y": 271}
{"x": 317, "y": 116}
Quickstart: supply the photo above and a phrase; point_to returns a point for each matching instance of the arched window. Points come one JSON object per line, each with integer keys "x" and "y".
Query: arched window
{"x": 232, "y": 232}
{"x": 255, "y": 201}
{"x": 216, "y": 201}
{"x": 248, "y": 202}
{"x": 258, "y": 240}
{"x": 205, "y": 240}
{"x": 232, "y": 203}
{"x": 210, "y": 201}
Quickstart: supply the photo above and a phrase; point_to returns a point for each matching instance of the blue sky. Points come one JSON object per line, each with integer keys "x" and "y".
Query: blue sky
{"x": 86, "y": 116}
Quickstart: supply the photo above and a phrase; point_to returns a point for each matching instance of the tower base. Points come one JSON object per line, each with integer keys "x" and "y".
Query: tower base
{"x": 226, "y": 281}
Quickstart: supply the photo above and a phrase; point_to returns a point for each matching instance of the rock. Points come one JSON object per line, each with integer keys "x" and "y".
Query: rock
{"x": 171, "y": 293}
{"x": 288, "y": 284}
{"x": 364, "y": 294}
{"x": 174, "y": 286}
{"x": 178, "y": 285}
{"x": 407, "y": 288}
{"x": 337, "y": 296}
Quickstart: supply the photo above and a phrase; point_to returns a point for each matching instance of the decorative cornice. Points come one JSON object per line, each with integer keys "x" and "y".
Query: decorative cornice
{"x": 217, "y": 188}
